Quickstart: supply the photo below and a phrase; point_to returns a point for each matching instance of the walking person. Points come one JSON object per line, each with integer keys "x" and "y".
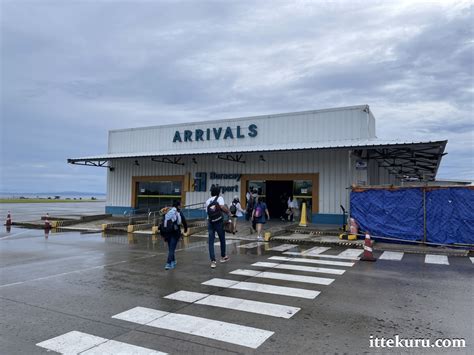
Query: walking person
{"x": 251, "y": 202}
{"x": 171, "y": 232}
{"x": 236, "y": 211}
{"x": 292, "y": 207}
{"x": 215, "y": 207}
{"x": 260, "y": 216}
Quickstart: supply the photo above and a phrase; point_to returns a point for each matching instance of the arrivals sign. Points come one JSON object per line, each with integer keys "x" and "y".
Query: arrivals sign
{"x": 215, "y": 133}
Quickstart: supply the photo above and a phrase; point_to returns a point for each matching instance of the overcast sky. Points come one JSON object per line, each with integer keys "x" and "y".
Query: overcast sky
{"x": 72, "y": 70}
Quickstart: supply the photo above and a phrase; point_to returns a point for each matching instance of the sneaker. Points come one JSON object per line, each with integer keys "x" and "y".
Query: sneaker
{"x": 173, "y": 264}
{"x": 168, "y": 266}
{"x": 259, "y": 238}
{"x": 213, "y": 264}
{"x": 225, "y": 259}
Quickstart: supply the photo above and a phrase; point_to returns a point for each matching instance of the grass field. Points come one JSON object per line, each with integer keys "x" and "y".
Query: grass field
{"x": 44, "y": 200}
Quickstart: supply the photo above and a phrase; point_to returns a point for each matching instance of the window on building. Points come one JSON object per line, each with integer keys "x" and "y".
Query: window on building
{"x": 157, "y": 194}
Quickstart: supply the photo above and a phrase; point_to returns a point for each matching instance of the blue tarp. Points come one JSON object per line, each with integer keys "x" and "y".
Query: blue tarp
{"x": 398, "y": 213}
{"x": 450, "y": 216}
{"x": 391, "y": 213}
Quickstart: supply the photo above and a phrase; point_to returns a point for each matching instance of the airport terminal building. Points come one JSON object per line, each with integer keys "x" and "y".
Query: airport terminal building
{"x": 314, "y": 155}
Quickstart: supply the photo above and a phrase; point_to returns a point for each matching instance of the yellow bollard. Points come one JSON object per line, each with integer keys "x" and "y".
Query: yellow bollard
{"x": 154, "y": 230}
{"x": 104, "y": 227}
{"x": 303, "y": 216}
{"x": 352, "y": 237}
{"x": 267, "y": 236}
{"x": 130, "y": 228}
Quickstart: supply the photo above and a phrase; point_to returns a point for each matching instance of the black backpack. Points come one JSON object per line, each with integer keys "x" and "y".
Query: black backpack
{"x": 233, "y": 209}
{"x": 169, "y": 227}
{"x": 214, "y": 211}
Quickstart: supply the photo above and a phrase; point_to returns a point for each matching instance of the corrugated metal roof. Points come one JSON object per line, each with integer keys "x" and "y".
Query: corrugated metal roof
{"x": 343, "y": 144}
{"x": 236, "y": 119}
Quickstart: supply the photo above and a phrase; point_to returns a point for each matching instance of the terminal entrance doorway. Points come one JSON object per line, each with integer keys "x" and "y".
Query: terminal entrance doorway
{"x": 277, "y": 188}
{"x": 277, "y": 196}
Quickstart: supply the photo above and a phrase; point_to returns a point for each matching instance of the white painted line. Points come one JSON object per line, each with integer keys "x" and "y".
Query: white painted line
{"x": 312, "y": 261}
{"x": 263, "y": 288}
{"x": 77, "y": 342}
{"x": 186, "y": 296}
{"x": 286, "y": 277}
{"x": 391, "y": 255}
{"x": 238, "y": 304}
{"x": 284, "y": 247}
{"x": 113, "y": 347}
{"x": 203, "y": 327}
{"x": 14, "y": 235}
{"x": 300, "y": 268}
{"x": 251, "y": 245}
{"x": 351, "y": 253}
{"x": 227, "y": 242}
{"x": 436, "y": 259}
{"x": 472, "y": 259}
{"x": 321, "y": 255}
{"x": 315, "y": 250}
{"x": 81, "y": 270}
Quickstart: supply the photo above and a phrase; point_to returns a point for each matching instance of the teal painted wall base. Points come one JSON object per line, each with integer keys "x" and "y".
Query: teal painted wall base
{"x": 326, "y": 218}
{"x": 317, "y": 218}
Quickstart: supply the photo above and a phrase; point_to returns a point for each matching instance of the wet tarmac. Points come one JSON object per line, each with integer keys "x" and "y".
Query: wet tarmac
{"x": 55, "y": 283}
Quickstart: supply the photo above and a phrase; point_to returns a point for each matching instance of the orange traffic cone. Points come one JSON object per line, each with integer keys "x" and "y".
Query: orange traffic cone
{"x": 368, "y": 255}
{"x": 9, "y": 219}
{"x": 47, "y": 225}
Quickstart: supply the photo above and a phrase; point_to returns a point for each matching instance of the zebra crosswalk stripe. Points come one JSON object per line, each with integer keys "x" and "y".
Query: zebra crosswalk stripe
{"x": 77, "y": 342}
{"x": 321, "y": 255}
{"x": 238, "y": 304}
{"x": 350, "y": 253}
{"x": 203, "y": 327}
{"x": 251, "y": 245}
{"x": 472, "y": 259}
{"x": 263, "y": 288}
{"x": 436, "y": 259}
{"x": 391, "y": 255}
{"x": 312, "y": 261}
{"x": 284, "y": 247}
{"x": 300, "y": 268}
{"x": 227, "y": 242}
{"x": 286, "y": 277}
{"x": 316, "y": 250}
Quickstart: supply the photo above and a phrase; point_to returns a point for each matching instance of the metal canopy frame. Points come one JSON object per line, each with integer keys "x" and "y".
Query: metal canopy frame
{"x": 96, "y": 163}
{"x": 237, "y": 158}
{"x": 417, "y": 162}
{"x": 175, "y": 161}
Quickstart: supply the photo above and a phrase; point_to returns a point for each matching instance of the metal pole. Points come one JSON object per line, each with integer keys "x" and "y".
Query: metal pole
{"x": 424, "y": 215}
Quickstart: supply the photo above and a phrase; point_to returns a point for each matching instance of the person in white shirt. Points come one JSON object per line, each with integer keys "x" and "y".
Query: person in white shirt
{"x": 236, "y": 212}
{"x": 215, "y": 207}
{"x": 292, "y": 207}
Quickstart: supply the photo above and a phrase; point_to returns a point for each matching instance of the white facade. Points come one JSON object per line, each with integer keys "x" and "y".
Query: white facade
{"x": 291, "y": 130}
{"x": 328, "y": 147}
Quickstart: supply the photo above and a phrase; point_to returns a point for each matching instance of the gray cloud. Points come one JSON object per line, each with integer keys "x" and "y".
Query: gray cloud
{"x": 70, "y": 72}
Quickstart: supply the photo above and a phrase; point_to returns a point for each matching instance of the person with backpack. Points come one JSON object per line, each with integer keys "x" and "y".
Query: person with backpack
{"x": 235, "y": 212}
{"x": 260, "y": 216}
{"x": 215, "y": 208}
{"x": 171, "y": 232}
{"x": 251, "y": 201}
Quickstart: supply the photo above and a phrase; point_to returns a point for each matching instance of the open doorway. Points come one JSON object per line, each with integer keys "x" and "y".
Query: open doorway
{"x": 277, "y": 193}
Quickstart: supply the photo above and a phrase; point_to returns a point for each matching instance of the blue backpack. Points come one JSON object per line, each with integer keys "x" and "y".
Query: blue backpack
{"x": 259, "y": 210}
